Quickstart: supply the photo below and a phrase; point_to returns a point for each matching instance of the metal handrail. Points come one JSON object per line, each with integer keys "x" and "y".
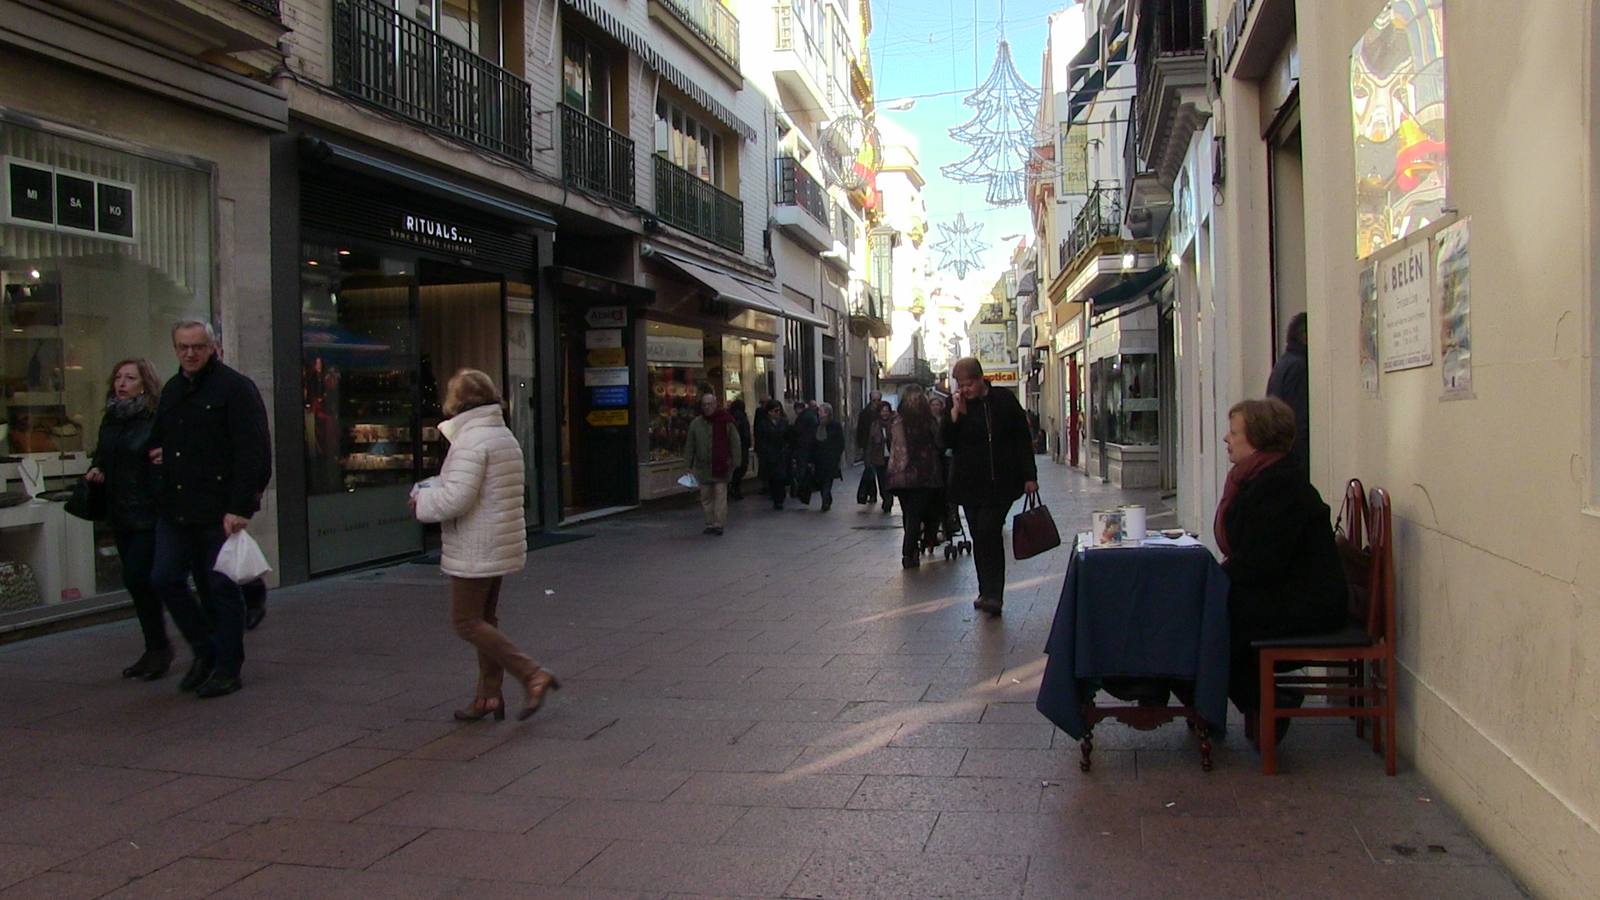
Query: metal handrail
{"x": 596, "y": 157}
{"x": 686, "y": 201}
{"x": 713, "y": 22}
{"x": 796, "y": 187}
{"x": 390, "y": 61}
{"x": 1101, "y": 217}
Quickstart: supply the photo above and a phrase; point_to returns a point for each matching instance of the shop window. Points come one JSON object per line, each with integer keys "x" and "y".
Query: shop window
{"x": 1126, "y": 402}
{"x": 675, "y": 359}
{"x": 688, "y": 142}
{"x": 101, "y": 252}
{"x": 585, "y": 77}
{"x": 747, "y": 366}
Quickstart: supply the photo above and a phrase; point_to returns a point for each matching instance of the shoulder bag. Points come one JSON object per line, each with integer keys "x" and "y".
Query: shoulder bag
{"x": 1033, "y": 531}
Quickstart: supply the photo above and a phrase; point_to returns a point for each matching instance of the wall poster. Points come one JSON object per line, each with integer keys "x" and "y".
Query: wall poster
{"x": 1405, "y": 296}
{"x": 1369, "y": 328}
{"x": 1454, "y": 272}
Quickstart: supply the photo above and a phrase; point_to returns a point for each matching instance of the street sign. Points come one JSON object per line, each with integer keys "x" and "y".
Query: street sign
{"x": 609, "y": 397}
{"x": 606, "y": 316}
{"x": 608, "y": 356}
{"x": 605, "y": 377}
{"x": 607, "y": 418}
{"x": 602, "y": 337}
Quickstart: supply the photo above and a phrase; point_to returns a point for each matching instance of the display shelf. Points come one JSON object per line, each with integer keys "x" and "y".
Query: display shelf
{"x": 32, "y": 333}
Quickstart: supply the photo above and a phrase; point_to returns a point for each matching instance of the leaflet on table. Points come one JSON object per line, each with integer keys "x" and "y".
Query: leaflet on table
{"x": 1152, "y": 539}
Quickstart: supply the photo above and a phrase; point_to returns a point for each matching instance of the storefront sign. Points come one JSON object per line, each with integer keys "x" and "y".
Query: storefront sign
{"x": 1071, "y": 333}
{"x": 608, "y": 356}
{"x": 607, "y": 418}
{"x": 610, "y": 397}
{"x": 434, "y": 233}
{"x": 41, "y": 196}
{"x": 606, "y": 316}
{"x": 1405, "y": 295}
{"x": 602, "y": 337}
{"x": 1003, "y": 377}
{"x": 606, "y": 377}
{"x": 662, "y": 348}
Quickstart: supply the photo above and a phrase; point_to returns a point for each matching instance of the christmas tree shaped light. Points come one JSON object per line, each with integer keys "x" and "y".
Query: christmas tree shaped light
{"x": 1000, "y": 133}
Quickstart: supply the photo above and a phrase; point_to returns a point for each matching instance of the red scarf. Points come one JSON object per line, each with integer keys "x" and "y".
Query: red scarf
{"x": 721, "y": 453}
{"x": 1237, "y": 477}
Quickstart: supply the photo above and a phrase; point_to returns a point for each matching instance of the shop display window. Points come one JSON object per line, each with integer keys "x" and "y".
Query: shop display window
{"x": 1126, "y": 405}
{"x": 676, "y": 359}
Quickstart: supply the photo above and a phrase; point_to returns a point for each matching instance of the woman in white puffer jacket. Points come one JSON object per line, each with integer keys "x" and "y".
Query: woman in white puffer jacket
{"x": 477, "y": 499}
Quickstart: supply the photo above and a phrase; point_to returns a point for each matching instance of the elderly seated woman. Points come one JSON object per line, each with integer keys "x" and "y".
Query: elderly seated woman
{"x": 1273, "y": 529}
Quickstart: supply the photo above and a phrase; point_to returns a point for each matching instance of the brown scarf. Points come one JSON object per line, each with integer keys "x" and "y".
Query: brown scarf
{"x": 721, "y": 453}
{"x": 1237, "y": 477}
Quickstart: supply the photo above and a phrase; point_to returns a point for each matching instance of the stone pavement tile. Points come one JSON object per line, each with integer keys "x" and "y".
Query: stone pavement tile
{"x": 510, "y": 890}
{"x": 71, "y": 823}
{"x": 19, "y": 862}
{"x": 149, "y": 847}
{"x": 730, "y": 690}
{"x": 821, "y": 734}
{"x": 468, "y": 743}
{"x": 222, "y": 758}
{"x": 1064, "y": 874}
{"x": 774, "y": 790}
{"x": 572, "y": 781}
{"x": 181, "y": 794}
{"x": 865, "y": 711}
{"x": 103, "y": 783}
{"x": 322, "y": 738}
{"x": 714, "y": 672}
{"x": 1433, "y": 836}
{"x": 855, "y": 873}
{"x": 342, "y": 804}
{"x": 755, "y": 661}
{"x": 1198, "y": 796}
{"x": 1360, "y": 880}
{"x": 279, "y": 881}
{"x": 629, "y": 820}
{"x": 339, "y": 765}
{"x": 1062, "y": 764}
{"x": 832, "y": 829}
{"x": 464, "y": 812}
{"x": 1244, "y": 839}
{"x": 977, "y": 736}
{"x": 1097, "y": 834}
{"x": 526, "y": 752}
{"x": 307, "y": 842}
{"x": 888, "y": 659}
{"x": 1011, "y": 712}
{"x": 257, "y": 802}
{"x": 716, "y": 757}
{"x": 859, "y": 691}
{"x": 439, "y": 775}
{"x": 647, "y": 731}
{"x": 947, "y": 794}
{"x": 745, "y": 871}
{"x": 494, "y": 856}
{"x": 837, "y": 678}
{"x": 64, "y": 886}
{"x": 186, "y": 878}
{"x": 880, "y": 761}
{"x": 407, "y": 735}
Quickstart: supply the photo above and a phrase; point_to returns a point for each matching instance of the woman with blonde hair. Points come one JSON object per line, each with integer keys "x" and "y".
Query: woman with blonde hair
{"x": 477, "y": 499}
{"x": 122, "y": 467}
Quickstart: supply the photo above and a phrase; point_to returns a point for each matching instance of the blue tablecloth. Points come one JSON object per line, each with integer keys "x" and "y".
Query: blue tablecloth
{"x": 1138, "y": 612}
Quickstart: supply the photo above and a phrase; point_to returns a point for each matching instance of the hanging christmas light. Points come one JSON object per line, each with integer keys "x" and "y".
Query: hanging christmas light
{"x": 959, "y": 245}
{"x": 1000, "y": 133}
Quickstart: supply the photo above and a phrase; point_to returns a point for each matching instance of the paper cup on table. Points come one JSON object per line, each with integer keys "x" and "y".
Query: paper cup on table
{"x": 1107, "y": 527}
{"x": 1133, "y": 522}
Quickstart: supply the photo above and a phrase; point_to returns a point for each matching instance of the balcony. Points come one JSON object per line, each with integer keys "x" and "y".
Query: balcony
{"x": 867, "y": 315}
{"x": 1149, "y": 198}
{"x": 800, "y": 64}
{"x": 1170, "y": 49}
{"x": 801, "y": 209}
{"x": 389, "y": 61}
{"x": 595, "y": 158}
{"x": 268, "y": 8}
{"x": 696, "y": 206}
{"x": 842, "y": 246}
{"x": 704, "y": 23}
{"x": 1099, "y": 220}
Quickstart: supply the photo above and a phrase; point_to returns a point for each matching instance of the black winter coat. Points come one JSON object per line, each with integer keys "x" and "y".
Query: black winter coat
{"x": 1284, "y": 570}
{"x": 993, "y": 451}
{"x": 771, "y": 441}
{"x": 1290, "y": 382}
{"x": 123, "y": 456}
{"x": 825, "y": 453}
{"x": 216, "y": 448}
{"x": 741, "y": 424}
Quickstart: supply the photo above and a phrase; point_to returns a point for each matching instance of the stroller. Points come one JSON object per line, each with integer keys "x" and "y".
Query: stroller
{"x": 955, "y": 535}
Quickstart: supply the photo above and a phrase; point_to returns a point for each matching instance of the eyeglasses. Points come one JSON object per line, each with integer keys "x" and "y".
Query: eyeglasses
{"x": 193, "y": 348}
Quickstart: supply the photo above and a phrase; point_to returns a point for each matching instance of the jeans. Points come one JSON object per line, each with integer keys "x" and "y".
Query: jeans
{"x": 474, "y": 613}
{"x": 918, "y": 508}
{"x": 714, "y": 503}
{"x": 215, "y": 631}
{"x": 989, "y": 548}
{"x": 137, "y": 550}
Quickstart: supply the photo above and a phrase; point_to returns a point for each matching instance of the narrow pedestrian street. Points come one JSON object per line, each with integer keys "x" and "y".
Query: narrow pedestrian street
{"x": 780, "y": 712}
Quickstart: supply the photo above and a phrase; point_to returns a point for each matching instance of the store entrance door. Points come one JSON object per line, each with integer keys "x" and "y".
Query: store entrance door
{"x": 598, "y": 467}
{"x": 1074, "y": 411}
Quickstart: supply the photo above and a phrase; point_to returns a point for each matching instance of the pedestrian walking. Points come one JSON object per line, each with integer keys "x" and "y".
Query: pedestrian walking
{"x": 741, "y": 424}
{"x": 827, "y": 453}
{"x": 802, "y": 435}
{"x": 867, "y": 490}
{"x": 949, "y": 512}
{"x": 121, "y": 466}
{"x": 211, "y": 441}
{"x": 993, "y": 465}
{"x": 877, "y": 455}
{"x": 477, "y": 500}
{"x": 772, "y": 451}
{"x": 1290, "y": 382}
{"x": 915, "y": 473}
{"x": 254, "y": 591}
{"x": 711, "y": 449}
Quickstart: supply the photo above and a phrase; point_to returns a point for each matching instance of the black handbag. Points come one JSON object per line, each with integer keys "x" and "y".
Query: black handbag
{"x": 1033, "y": 531}
{"x": 88, "y": 501}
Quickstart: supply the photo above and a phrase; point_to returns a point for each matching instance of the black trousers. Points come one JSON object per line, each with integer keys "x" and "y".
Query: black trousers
{"x": 989, "y": 548}
{"x": 867, "y": 490}
{"x": 255, "y": 593}
{"x": 137, "y": 550}
{"x": 921, "y": 512}
{"x": 736, "y": 482}
{"x": 215, "y": 631}
{"x": 777, "y": 483}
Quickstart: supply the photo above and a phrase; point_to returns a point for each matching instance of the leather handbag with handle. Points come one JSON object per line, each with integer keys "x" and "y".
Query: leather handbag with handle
{"x": 1033, "y": 531}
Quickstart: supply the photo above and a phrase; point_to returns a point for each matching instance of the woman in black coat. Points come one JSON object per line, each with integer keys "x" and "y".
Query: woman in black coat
{"x": 741, "y": 424}
{"x": 772, "y": 450}
{"x": 826, "y": 450}
{"x": 122, "y": 466}
{"x": 1284, "y": 572}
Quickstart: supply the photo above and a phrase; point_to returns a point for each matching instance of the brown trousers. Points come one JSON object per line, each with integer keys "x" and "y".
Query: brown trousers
{"x": 473, "y": 606}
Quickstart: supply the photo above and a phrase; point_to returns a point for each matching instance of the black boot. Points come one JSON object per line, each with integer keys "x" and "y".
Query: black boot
{"x": 199, "y": 672}
{"x": 152, "y": 665}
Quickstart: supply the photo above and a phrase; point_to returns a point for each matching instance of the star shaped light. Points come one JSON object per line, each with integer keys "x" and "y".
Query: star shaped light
{"x": 958, "y": 245}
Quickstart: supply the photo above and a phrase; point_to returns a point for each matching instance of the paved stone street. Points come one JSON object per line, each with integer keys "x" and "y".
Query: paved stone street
{"x": 780, "y": 712}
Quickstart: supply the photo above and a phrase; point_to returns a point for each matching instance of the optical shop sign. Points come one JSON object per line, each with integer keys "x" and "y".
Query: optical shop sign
{"x": 41, "y": 196}
{"x": 1405, "y": 296}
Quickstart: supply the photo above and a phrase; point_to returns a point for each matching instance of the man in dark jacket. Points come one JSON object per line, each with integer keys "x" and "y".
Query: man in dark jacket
{"x": 741, "y": 424}
{"x": 867, "y": 491}
{"x": 802, "y": 435}
{"x": 993, "y": 466}
{"x": 1290, "y": 383}
{"x": 212, "y": 443}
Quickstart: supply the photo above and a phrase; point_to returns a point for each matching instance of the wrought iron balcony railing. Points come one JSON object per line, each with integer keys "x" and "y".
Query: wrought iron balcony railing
{"x": 595, "y": 157}
{"x": 1169, "y": 29}
{"x": 844, "y": 227}
{"x": 1101, "y": 217}
{"x": 688, "y": 202}
{"x": 390, "y": 61}
{"x": 796, "y": 187}
{"x": 866, "y": 304}
{"x": 715, "y": 23}
{"x": 269, "y": 8}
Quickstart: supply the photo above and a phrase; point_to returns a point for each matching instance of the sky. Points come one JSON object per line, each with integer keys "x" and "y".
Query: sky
{"x": 946, "y": 48}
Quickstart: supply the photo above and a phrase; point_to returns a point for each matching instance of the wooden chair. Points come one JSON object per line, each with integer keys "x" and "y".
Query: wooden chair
{"x": 1363, "y": 650}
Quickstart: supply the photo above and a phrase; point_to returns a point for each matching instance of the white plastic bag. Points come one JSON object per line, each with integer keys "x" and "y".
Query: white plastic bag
{"x": 689, "y": 481}
{"x": 241, "y": 559}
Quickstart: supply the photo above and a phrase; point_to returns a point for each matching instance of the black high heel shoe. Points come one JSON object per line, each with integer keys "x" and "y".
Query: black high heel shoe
{"x": 481, "y": 708}
{"x": 541, "y": 683}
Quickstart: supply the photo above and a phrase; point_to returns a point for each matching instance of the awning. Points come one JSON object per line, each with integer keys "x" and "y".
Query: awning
{"x": 424, "y": 183}
{"x": 1029, "y": 287}
{"x": 730, "y": 288}
{"x": 1025, "y": 339}
{"x": 1130, "y": 289}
